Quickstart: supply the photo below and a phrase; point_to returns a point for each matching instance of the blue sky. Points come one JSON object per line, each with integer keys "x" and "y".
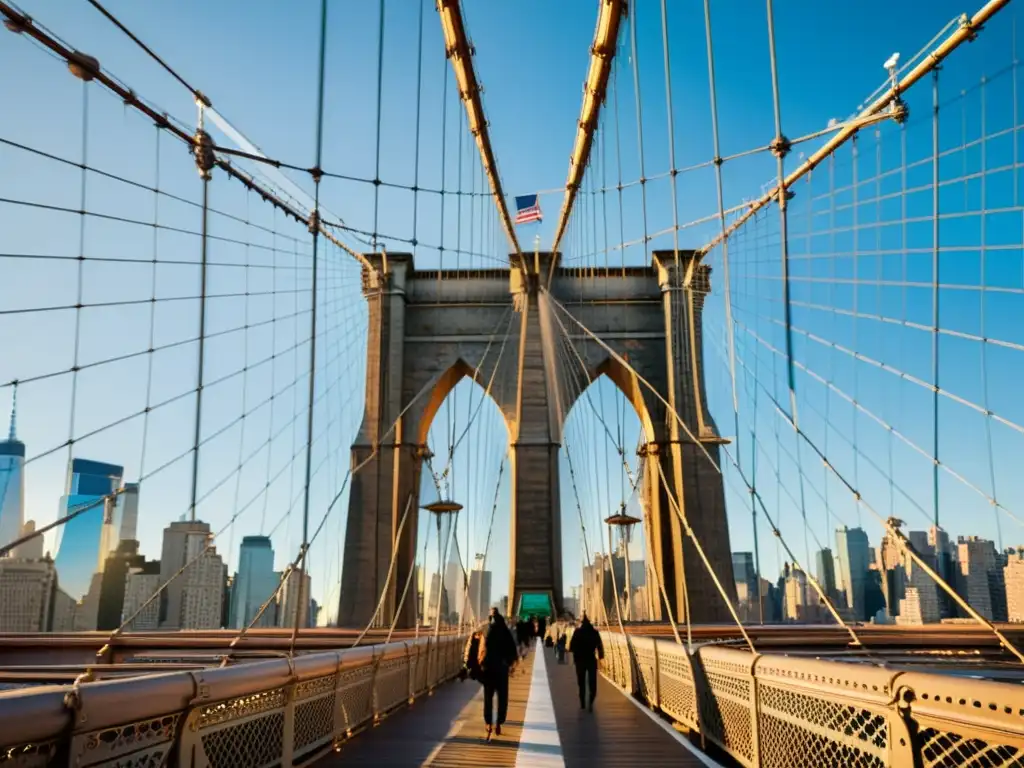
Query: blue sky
{"x": 258, "y": 65}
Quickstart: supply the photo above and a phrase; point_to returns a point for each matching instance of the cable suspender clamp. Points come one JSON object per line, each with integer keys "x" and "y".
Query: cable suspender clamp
{"x": 779, "y": 147}
{"x": 202, "y": 148}
{"x": 972, "y": 31}
{"x": 17, "y": 23}
{"x": 82, "y": 65}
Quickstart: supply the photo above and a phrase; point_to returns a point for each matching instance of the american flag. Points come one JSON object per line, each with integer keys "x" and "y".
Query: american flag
{"x": 528, "y": 209}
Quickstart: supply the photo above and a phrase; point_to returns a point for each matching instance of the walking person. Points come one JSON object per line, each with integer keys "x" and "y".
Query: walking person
{"x": 523, "y": 630}
{"x": 586, "y": 648}
{"x": 496, "y": 655}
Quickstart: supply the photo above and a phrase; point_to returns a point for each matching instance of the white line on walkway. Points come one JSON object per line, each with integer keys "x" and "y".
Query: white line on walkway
{"x": 539, "y": 745}
{"x": 704, "y": 759}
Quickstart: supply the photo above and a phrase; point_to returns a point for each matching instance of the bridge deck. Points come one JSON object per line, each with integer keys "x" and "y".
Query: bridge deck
{"x": 545, "y": 727}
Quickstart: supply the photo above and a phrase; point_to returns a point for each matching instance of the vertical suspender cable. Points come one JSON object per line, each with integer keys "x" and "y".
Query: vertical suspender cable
{"x": 152, "y": 308}
{"x": 80, "y": 278}
{"x": 315, "y": 229}
{"x": 201, "y": 158}
{"x": 780, "y": 147}
{"x": 935, "y": 295}
{"x": 982, "y": 324}
{"x": 639, "y": 125}
{"x": 419, "y": 114}
{"x": 444, "y": 163}
{"x": 380, "y": 91}
{"x": 618, "y": 166}
{"x": 855, "y": 232}
{"x": 721, "y": 212}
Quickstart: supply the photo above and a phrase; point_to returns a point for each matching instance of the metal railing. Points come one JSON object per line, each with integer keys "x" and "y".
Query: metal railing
{"x": 283, "y": 712}
{"x": 780, "y": 711}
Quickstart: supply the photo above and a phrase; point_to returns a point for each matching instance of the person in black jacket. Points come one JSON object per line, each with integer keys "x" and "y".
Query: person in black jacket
{"x": 497, "y": 654}
{"x": 586, "y": 648}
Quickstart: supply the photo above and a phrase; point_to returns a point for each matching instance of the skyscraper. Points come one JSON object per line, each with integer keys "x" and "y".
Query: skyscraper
{"x": 976, "y": 557}
{"x": 892, "y": 574}
{"x": 479, "y": 589}
{"x": 254, "y": 583}
{"x": 32, "y": 549}
{"x": 141, "y": 583}
{"x": 826, "y": 568}
{"x": 437, "y": 601}
{"x": 299, "y": 582}
{"x": 938, "y": 540}
{"x": 920, "y": 601}
{"x": 193, "y": 599}
{"x": 455, "y": 586}
{"x": 853, "y": 556}
{"x": 797, "y": 603}
{"x": 1013, "y": 578}
{"x": 87, "y": 540}
{"x": 27, "y": 590}
{"x": 744, "y": 572}
{"x": 12, "y": 481}
{"x": 114, "y": 582}
{"x": 127, "y": 513}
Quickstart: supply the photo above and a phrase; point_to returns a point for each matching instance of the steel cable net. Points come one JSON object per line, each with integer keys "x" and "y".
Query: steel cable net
{"x": 182, "y": 426}
{"x": 859, "y": 350}
{"x": 119, "y": 278}
{"x": 896, "y": 341}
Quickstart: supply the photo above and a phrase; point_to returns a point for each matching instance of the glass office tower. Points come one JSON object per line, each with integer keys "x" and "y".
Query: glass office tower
{"x": 12, "y": 483}
{"x": 254, "y": 583}
{"x": 87, "y": 540}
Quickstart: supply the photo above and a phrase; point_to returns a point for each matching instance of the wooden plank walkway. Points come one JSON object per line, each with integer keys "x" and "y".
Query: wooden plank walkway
{"x": 616, "y": 733}
{"x": 443, "y": 731}
{"x": 446, "y": 730}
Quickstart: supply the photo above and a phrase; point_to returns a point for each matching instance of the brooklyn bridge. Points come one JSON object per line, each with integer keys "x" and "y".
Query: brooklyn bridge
{"x": 305, "y": 387}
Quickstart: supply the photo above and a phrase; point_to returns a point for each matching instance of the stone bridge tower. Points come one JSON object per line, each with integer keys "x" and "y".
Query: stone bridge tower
{"x": 427, "y": 330}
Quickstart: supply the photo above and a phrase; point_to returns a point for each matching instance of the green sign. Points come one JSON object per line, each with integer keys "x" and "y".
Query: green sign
{"x": 535, "y": 604}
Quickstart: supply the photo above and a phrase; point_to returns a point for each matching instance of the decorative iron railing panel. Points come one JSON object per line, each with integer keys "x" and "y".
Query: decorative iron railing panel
{"x": 268, "y": 713}
{"x": 782, "y": 711}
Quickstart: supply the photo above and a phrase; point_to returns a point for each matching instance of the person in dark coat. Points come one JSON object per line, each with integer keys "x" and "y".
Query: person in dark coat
{"x": 586, "y": 648}
{"x": 497, "y": 653}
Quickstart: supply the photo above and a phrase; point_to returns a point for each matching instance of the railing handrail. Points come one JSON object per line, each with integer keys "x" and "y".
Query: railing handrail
{"x": 39, "y": 714}
{"x": 817, "y": 705}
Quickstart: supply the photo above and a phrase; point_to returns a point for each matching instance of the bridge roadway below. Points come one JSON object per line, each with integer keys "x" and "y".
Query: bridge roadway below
{"x": 545, "y": 728}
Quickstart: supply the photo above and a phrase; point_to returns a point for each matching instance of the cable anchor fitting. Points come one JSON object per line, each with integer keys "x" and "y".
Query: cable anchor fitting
{"x": 202, "y": 148}
{"x": 83, "y": 66}
{"x": 314, "y": 222}
{"x": 18, "y": 23}
{"x": 898, "y": 110}
{"x": 972, "y": 31}
{"x": 780, "y": 146}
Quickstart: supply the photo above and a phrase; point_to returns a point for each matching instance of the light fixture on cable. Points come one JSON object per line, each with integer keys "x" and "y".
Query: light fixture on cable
{"x": 897, "y": 109}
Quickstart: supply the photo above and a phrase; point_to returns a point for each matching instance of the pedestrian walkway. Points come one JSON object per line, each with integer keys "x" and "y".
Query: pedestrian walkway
{"x": 619, "y": 732}
{"x": 545, "y": 728}
{"x": 444, "y": 730}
